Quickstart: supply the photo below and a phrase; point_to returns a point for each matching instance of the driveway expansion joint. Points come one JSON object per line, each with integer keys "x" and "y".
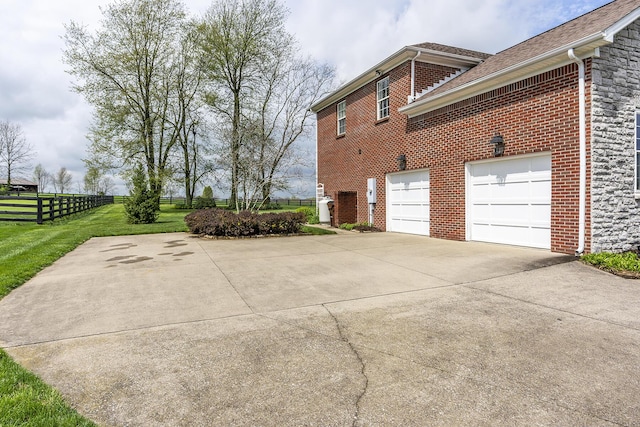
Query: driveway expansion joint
{"x": 226, "y": 277}
{"x": 548, "y": 307}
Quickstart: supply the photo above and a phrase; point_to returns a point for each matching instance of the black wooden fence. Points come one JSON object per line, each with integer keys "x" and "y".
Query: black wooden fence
{"x": 40, "y": 209}
{"x": 225, "y": 202}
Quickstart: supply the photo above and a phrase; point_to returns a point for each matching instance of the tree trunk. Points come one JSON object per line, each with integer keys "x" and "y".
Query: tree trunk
{"x": 235, "y": 152}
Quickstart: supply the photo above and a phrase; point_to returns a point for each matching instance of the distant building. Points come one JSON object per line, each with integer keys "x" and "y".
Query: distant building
{"x": 21, "y": 185}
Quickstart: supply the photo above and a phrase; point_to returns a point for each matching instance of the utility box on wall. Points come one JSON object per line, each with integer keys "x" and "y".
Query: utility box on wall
{"x": 371, "y": 190}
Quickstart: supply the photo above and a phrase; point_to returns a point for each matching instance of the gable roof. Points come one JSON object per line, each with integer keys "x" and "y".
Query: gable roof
{"x": 451, "y": 50}
{"x": 433, "y": 53}
{"x": 541, "y": 53}
{"x": 18, "y": 181}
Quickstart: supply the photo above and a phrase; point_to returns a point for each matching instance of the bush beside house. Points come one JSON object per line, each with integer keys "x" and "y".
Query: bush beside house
{"x": 223, "y": 223}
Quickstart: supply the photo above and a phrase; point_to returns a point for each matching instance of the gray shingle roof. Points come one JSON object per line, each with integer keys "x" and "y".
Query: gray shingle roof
{"x": 588, "y": 24}
{"x": 453, "y": 50}
{"x": 17, "y": 181}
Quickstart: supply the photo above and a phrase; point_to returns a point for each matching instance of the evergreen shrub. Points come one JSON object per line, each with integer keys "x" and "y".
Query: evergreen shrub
{"x": 143, "y": 206}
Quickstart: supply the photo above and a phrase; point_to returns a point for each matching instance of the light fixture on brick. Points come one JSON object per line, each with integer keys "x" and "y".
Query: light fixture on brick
{"x": 498, "y": 144}
{"x": 402, "y": 162}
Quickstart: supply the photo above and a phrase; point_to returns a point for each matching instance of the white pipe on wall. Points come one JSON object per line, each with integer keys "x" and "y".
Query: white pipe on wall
{"x": 412, "y": 96}
{"x": 583, "y": 153}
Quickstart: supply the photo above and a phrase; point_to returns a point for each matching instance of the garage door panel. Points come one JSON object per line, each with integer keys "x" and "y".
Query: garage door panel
{"x": 509, "y": 201}
{"x": 408, "y": 202}
{"x": 503, "y": 213}
{"x": 513, "y": 235}
{"x": 414, "y": 212}
{"x": 481, "y": 212}
{"x": 541, "y": 215}
{"x": 412, "y": 195}
{"x": 540, "y": 164}
{"x": 510, "y": 190}
{"x": 413, "y": 226}
{"x": 482, "y": 170}
{"x": 512, "y": 169}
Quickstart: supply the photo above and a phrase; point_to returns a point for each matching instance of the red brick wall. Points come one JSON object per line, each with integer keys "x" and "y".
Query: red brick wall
{"x": 539, "y": 114}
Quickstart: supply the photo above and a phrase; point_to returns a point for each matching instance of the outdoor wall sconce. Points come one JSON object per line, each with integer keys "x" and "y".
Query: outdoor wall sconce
{"x": 498, "y": 144}
{"x": 402, "y": 162}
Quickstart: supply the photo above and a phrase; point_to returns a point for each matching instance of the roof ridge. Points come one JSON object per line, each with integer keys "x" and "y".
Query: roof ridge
{"x": 556, "y": 27}
{"x": 572, "y": 31}
{"x": 451, "y": 49}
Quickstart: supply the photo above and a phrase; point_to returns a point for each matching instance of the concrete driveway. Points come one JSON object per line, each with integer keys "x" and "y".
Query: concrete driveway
{"x": 353, "y": 329}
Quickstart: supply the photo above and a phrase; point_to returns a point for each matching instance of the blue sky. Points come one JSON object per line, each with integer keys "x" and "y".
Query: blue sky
{"x": 353, "y": 35}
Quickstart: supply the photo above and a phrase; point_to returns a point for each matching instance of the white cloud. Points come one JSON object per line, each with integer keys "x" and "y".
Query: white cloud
{"x": 353, "y": 35}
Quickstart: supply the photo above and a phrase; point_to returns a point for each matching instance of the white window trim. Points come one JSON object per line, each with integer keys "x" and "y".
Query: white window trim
{"x": 380, "y": 100}
{"x": 340, "y": 118}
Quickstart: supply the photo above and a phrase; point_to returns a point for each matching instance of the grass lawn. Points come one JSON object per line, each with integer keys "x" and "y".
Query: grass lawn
{"x": 27, "y": 248}
{"x": 27, "y": 401}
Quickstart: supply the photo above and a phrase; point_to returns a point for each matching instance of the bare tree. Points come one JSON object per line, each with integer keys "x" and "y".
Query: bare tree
{"x": 290, "y": 86}
{"x": 107, "y": 186}
{"x": 15, "y": 151}
{"x": 126, "y": 72}
{"x": 194, "y": 163}
{"x": 238, "y": 37}
{"x": 41, "y": 177}
{"x": 92, "y": 180}
{"x": 62, "y": 180}
{"x": 262, "y": 89}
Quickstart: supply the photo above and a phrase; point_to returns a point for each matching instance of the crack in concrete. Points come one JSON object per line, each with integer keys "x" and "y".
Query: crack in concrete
{"x": 343, "y": 337}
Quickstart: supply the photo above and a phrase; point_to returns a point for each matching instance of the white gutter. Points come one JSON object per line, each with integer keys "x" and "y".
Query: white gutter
{"x": 583, "y": 153}
{"x": 412, "y": 96}
{"x": 502, "y": 77}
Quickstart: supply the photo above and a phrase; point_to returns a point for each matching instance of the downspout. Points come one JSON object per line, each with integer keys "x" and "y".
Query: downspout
{"x": 316, "y": 188}
{"x": 583, "y": 153}
{"x": 412, "y": 96}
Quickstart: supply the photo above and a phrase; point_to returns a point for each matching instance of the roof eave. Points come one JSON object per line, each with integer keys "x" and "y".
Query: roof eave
{"x": 550, "y": 60}
{"x": 403, "y": 55}
{"x": 610, "y": 32}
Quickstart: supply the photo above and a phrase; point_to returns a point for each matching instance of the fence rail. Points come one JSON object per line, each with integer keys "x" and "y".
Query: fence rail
{"x": 40, "y": 209}
{"x": 225, "y": 202}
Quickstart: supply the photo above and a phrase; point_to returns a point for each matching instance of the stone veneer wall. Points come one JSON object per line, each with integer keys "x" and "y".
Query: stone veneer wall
{"x": 615, "y": 213}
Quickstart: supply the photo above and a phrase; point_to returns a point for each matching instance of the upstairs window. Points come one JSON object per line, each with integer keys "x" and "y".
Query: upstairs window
{"x": 342, "y": 117}
{"x": 637, "y": 151}
{"x": 383, "y": 98}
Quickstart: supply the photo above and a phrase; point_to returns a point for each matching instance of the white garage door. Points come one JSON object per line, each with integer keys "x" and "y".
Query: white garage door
{"x": 408, "y": 202}
{"x": 509, "y": 201}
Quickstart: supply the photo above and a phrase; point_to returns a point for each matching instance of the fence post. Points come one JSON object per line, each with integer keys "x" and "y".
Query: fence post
{"x": 51, "y": 209}
{"x": 39, "y": 217}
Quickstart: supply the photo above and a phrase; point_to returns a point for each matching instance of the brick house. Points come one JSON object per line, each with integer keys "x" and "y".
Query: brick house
{"x": 537, "y": 145}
